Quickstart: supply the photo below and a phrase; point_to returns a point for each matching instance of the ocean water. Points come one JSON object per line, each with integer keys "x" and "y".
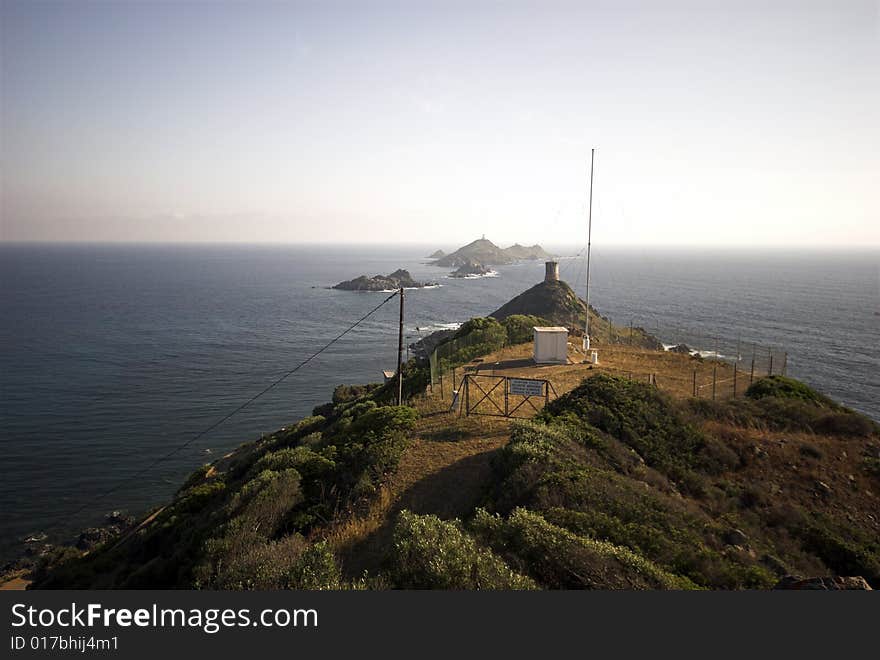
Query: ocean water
{"x": 113, "y": 355}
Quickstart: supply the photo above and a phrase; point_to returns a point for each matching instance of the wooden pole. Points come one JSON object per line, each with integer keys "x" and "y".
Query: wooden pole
{"x": 714, "y": 374}
{"x": 695, "y": 382}
{"x": 752, "y": 372}
{"x": 467, "y": 396}
{"x": 785, "y": 363}
{"x": 400, "y": 354}
{"x": 771, "y": 365}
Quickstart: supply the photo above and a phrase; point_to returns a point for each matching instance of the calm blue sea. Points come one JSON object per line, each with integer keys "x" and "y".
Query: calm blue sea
{"x": 113, "y": 355}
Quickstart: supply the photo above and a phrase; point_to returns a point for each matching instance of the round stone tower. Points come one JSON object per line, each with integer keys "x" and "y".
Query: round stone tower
{"x": 552, "y": 272}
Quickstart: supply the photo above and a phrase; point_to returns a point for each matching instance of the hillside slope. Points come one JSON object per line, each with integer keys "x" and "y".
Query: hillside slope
{"x": 613, "y": 485}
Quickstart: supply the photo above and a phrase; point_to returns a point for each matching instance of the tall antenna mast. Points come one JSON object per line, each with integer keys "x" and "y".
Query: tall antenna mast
{"x": 589, "y": 240}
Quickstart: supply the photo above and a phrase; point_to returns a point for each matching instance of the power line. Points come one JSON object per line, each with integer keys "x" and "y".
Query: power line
{"x": 225, "y": 418}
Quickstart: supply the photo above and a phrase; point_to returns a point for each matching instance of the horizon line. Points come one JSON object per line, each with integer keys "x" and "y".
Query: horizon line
{"x": 434, "y": 244}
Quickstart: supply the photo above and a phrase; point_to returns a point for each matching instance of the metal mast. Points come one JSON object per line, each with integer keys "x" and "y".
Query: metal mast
{"x": 589, "y": 238}
{"x": 400, "y": 353}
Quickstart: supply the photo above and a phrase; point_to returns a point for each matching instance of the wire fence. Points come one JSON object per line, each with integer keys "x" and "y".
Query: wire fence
{"x": 683, "y": 361}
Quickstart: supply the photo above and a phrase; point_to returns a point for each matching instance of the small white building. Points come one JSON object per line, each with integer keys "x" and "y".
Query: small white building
{"x": 551, "y": 345}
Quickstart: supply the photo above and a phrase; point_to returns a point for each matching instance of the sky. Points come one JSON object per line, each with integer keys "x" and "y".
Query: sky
{"x": 715, "y": 123}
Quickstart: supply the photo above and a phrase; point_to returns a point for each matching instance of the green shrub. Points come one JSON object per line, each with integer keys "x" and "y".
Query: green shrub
{"x": 346, "y": 393}
{"x": 314, "y": 569}
{"x": 558, "y": 559}
{"x": 520, "y": 328}
{"x": 643, "y": 418}
{"x": 196, "y": 477}
{"x": 198, "y": 497}
{"x": 428, "y": 553}
{"x": 847, "y": 423}
{"x": 783, "y": 387}
{"x": 846, "y": 552}
{"x": 263, "y": 502}
{"x": 239, "y": 563}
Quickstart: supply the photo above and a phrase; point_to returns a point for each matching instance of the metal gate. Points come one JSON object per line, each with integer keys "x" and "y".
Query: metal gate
{"x": 504, "y": 396}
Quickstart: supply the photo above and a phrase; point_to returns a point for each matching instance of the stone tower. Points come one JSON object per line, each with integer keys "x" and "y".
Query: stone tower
{"x": 552, "y": 272}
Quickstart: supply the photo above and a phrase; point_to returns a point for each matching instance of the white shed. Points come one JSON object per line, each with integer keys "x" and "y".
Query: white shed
{"x": 551, "y": 345}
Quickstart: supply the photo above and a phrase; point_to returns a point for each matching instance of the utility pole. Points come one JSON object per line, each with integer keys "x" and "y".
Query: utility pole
{"x": 400, "y": 354}
{"x": 589, "y": 239}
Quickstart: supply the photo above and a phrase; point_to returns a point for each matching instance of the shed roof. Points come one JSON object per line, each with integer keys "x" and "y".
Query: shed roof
{"x": 550, "y": 328}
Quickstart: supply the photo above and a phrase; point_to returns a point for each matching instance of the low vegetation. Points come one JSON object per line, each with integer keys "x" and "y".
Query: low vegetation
{"x": 614, "y": 485}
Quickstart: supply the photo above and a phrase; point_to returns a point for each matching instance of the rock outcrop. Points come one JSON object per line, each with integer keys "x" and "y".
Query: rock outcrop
{"x": 395, "y": 280}
{"x": 471, "y": 268}
{"x": 829, "y": 583}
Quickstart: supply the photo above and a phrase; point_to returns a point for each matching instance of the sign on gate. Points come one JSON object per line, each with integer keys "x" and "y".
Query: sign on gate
{"x": 526, "y": 387}
{"x": 502, "y": 396}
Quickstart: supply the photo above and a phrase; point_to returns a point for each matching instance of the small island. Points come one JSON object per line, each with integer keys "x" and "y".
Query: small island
{"x": 399, "y": 278}
{"x": 438, "y": 254}
{"x": 487, "y": 253}
{"x": 471, "y": 268}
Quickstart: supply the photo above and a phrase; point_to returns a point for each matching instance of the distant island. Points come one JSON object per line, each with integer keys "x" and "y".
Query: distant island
{"x": 437, "y": 254}
{"x": 485, "y": 252}
{"x": 471, "y": 268}
{"x": 399, "y": 278}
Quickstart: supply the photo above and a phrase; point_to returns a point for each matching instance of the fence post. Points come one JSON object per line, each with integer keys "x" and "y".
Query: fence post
{"x": 771, "y": 365}
{"x": 630, "y": 332}
{"x": 785, "y": 363}
{"x": 467, "y": 395}
{"x": 695, "y": 382}
{"x": 506, "y": 397}
{"x": 714, "y": 373}
{"x": 454, "y": 378}
{"x": 734, "y": 380}
{"x": 752, "y": 372}
{"x": 546, "y": 392}
{"x": 442, "y": 394}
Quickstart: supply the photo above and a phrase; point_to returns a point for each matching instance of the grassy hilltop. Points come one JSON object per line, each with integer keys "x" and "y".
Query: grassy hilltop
{"x": 616, "y": 484}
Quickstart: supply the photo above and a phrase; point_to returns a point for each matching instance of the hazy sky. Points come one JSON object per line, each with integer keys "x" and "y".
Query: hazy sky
{"x": 716, "y": 123}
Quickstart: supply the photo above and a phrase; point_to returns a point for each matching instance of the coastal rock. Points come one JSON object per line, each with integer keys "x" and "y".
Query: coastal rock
{"x": 438, "y": 254}
{"x": 399, "y": 278}
{"x": 830, "y": 583}
{"x": 684, "y": 349}
{"x": 736, "y": 537}
{"x": 471, "y": 268}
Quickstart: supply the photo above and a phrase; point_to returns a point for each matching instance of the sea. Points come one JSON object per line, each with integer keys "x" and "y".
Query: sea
{"x": 112, "y": 356}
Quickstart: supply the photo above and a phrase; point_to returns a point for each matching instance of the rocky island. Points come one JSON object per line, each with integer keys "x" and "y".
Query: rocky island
{"x": 471, "y": 268}
{"x": 399, "y": 278}
{"x": 487, "y": 253}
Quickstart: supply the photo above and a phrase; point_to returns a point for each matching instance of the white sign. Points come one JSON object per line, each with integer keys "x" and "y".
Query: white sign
{"x": 525, "y": 387}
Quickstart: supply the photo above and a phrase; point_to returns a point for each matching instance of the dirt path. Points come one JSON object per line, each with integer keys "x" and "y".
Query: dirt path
{"x": 445, "y": 478}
